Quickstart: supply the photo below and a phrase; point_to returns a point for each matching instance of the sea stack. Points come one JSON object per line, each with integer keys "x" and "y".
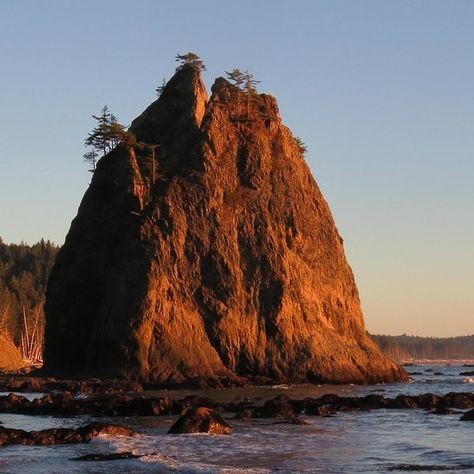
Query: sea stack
{"x": 208, "y": 253}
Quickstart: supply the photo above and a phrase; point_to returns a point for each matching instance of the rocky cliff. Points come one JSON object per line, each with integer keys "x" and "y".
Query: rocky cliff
{"x": 208, "y": 253}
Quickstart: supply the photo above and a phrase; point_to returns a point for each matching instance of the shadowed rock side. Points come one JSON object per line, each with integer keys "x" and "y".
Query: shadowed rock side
{"x": 209, "y": 253}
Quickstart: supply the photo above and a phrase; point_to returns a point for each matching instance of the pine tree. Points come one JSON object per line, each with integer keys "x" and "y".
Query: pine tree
{"x": 301, "y": 145}
{"x": 99, "y": 138}
{"x": 161, "y": 88}
{"x": 237, "y": 77}
{"x": 191, "y": 59}
{"x": 106, "y": 136}
{"x": 250, "y": 88}
{"x": 91, "y": 158}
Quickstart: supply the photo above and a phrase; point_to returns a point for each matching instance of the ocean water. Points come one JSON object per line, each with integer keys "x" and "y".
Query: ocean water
{"x": 354, "y": 442}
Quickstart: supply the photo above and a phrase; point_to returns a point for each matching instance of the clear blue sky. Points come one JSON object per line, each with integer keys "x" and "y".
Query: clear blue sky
{"x": 382, "y": 93}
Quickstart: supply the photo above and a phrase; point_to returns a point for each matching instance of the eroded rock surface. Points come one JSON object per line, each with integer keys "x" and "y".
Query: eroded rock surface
{"x": 209, "y": 253}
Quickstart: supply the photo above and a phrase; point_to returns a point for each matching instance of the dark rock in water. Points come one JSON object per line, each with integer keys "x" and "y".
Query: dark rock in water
{"x": 443, "y": 411}
{"x": 320, "y": 410}
{"x": 438, "y": 373}
{"x": 427, "y": 400}
{"x": 209, "y": 252}
{"x": 201, "y": 420}
{"x": 51, "y": 436}
{"x": 63, "y": 404}
{"x": 244, "y": 415}
{"x": 468, "y": 416}
{"x": 107, "y": 456}
{"x": 459, "y": 400}
{"x": 469, "y": 372}
{"x": 277, "y": 408}
{"x": 404, "y": 401}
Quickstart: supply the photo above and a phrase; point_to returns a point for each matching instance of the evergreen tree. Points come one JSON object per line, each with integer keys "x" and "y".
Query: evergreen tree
{"x": 236, "y": 77}
{"x": 249, "y": 83}
{"x": 106, "y": 136}
{"x": 250, "y": 88}
{"x": 161, "y": 88}
{"x": 99, "y": 138}
{"x": 91, "y": 158}
{"x": 301, "y": 145}
{"x": 191, "y": 59}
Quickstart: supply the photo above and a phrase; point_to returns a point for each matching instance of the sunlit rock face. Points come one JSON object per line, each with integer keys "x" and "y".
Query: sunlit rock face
{"x": 211, "y": 252}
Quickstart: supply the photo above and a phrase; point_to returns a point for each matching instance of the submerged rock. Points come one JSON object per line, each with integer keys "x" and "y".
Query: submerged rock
{"x": 292, "y": 421}
{"x": 468, "y": 416}
{"x": 200, "y": 420}
{"x": 209, "y": 252}
{"x": 107, "y": 456}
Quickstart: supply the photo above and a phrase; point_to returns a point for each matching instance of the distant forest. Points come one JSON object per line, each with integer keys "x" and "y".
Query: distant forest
{"x": 404, "y": 348}
{"x": 24, "y": 271}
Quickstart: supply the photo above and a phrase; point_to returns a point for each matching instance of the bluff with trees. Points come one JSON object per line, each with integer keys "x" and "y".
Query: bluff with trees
{"x": 405, "y": 348}
{"x": 24, "y": 271}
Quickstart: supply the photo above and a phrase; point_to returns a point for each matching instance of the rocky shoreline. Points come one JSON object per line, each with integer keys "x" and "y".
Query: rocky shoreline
{"x": 115, "y": 399}
{"x": 118, "y": 398}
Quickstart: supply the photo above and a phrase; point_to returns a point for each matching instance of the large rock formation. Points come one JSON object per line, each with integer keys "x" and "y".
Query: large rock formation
{"x": 211, "y": 252}
{"x": 10, "y": 357}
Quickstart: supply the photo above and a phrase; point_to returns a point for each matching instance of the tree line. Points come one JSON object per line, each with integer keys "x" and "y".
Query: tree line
{"x": 24, "y": 272}
{"x": 403, "y": 348}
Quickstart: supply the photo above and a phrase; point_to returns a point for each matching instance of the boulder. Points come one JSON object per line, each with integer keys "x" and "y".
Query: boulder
{"x": 200, "y": 420}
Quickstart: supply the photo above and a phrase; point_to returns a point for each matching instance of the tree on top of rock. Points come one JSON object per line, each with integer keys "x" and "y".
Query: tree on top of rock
{"x": 250, "y": 83}
{"x": 106, "y": 136}
{"x": 250, "y": 88}
{"x": 191, "y": 59}
{"x": 236, "y": 77}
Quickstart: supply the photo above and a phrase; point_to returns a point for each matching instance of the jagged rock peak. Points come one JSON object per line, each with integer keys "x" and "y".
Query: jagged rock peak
{"x": 210, "y": 252}
{"x": 182, "y": 103}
